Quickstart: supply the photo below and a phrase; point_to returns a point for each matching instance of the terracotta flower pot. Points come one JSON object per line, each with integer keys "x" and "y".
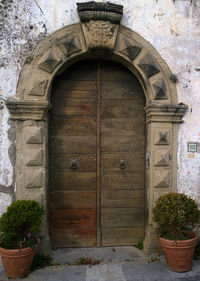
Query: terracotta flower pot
{"x": 17, "y": 262}
{"x": 179, "y": 253}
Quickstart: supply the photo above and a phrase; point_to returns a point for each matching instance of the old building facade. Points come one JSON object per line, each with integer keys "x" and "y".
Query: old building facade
{"x": 99, "y": 112}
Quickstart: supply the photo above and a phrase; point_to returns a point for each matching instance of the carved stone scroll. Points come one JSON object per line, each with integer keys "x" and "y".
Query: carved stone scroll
{"x": 100, "y": 11}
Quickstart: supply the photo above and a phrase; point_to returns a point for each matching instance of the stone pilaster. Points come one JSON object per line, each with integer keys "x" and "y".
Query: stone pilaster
{"x": 162, "y": 159}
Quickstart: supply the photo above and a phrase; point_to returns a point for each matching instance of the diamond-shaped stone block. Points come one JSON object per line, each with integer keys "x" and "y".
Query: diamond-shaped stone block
{"x": 34, "y": 179}
{"x": 70, "y": 46}
{"x": 33, "y": 135}
{"x": 39, "y": 88}
{"x": 148, "y": 66}
{"x": 161, "y": 158}
{"x": 49, "y": 63}
{"x": 161, "y": 178}
{"x": 34, "y": 157}
{"x": 161, "y": 137}
{"x": 127, "y": 48}
{"x": 160, "y": 90}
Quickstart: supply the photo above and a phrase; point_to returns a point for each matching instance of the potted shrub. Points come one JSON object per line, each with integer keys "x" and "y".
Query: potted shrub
{"x": 175, "y": 215}
{"x": 19, "y": 228}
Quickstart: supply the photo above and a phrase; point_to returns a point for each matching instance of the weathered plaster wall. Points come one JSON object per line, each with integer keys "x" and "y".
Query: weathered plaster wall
{"x": 172, "y": 27}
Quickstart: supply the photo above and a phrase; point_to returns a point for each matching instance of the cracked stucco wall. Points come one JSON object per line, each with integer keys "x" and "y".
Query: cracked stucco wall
{"x": 171, "y": 26}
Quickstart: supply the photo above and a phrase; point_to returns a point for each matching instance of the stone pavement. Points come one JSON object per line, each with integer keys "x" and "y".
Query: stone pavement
{"x": 119, "y": 264}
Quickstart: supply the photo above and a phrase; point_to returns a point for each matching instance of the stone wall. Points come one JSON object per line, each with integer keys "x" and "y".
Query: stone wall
{"x": 172, "y": 27}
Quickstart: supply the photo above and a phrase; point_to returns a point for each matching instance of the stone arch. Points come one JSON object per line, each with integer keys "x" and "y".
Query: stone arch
{"x": 97, "y": 39}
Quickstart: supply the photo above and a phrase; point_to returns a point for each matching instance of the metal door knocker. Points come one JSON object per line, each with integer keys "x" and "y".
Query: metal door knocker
{"x": 122, "y": 164}
{"x": 73, "y": 163}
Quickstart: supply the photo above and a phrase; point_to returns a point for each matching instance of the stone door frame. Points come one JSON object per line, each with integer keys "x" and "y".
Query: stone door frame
{"x": 29, "y": 109}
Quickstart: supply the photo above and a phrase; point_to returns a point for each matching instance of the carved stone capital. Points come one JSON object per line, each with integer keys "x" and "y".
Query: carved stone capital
{"x": 166, "y": 113}
{"x": 24, "y": 110}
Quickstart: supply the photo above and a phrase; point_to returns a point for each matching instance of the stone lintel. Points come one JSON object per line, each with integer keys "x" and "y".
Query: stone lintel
{"x": 24, "y": 110}
{"x": 165, "y": 113}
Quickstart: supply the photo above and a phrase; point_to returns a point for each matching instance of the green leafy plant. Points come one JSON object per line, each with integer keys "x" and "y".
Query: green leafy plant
{"x": 19, "y": 225}
{"x": 139, "y": 245}
{"x": 175, "y": 214}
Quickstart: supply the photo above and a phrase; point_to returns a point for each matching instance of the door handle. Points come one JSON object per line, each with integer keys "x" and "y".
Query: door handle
{"x": 122, "y": 164}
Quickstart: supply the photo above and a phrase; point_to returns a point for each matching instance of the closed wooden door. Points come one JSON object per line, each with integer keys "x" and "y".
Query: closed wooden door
{"x": 97, "y": 143}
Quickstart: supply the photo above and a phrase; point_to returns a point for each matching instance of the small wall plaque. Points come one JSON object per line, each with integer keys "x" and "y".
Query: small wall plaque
{"x": 192, "y": 147}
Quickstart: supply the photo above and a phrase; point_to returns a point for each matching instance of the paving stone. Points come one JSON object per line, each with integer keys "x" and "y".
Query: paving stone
{"x": 119, "y": 265}
{"x": 145, "y": 272}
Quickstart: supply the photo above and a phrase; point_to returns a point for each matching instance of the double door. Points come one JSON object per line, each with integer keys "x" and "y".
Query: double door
{"x": 96, "y": 170}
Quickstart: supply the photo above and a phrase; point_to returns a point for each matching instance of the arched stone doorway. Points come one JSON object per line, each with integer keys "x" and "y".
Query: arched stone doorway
{"x": 96, "y": 37}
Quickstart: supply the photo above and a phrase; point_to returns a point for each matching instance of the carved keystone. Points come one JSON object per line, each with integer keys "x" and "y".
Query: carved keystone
{"x": 129, "y": 49}
{"x": 34, "y": 157}
{"x": 162, "y": 158}
{"x": 49, "y": 63}
{"x": 39, "y": 88}
{"x": 70, "y": 46}
{"x": 100, "y": 22}
{"x": 161, "y": 138}
{"x": 148, "y": 66}
{"x": 34, "y": 179}
{"x": 161, "y": 179}
{"x": 160, "y": 90}
{"x": 33, "y": 134}
{"x": 100, "y": 34}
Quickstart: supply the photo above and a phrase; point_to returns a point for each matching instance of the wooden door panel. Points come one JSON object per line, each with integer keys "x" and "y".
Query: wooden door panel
{"x": 74, "y": 239}
{"x": 73, "y": 218}
{"x": 122, "y": 144}
{"x": 61, "y": 162}
{"x": 133, "y": 162}
{"x": 73, "y": 126}
{"x": 122, "y": 199}
{"x": 73, "y": 144}
{"x": 122, "y": 90}
{"x": 122, "y": 126}
{"x": 73, "y": 138}
{"x": 122, "y": 158}
{"x": 76, "y": 85}
{"x": 123, "y": 180}
{"x": 122, "y": 217}
{"x": 122, "y": 236}
{"x": 121, "y": 108}
{"x": 72, "y": 180}
{"x": 74, "y": 106}
{"x": 73, "y": 227}
{"x": 62, "y": 93}
{"x": 73, "y": 199}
